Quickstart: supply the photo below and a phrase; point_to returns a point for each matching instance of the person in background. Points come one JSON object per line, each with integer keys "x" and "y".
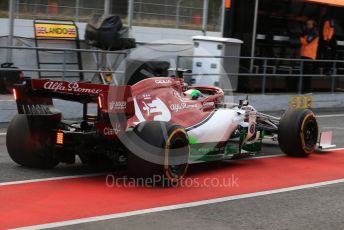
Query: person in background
{"x": 309, "y": 47}
{"x": 327, "y": 42}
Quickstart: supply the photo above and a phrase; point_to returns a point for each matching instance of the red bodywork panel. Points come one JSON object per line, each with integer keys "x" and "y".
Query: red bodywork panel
{"x": 164, "y": 99}
{"x": 122, "y": 107}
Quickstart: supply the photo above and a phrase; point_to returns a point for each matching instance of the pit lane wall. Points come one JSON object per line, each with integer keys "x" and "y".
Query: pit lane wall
{"x": 263, "y": 103}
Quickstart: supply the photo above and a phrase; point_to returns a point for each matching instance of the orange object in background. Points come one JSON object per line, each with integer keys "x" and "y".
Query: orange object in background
{"x": 328, "y": 30}
{"x": 328, "y": 2}
{"x": 228, "y": 4}
{"x": 196, "y": 20}
{"x": 309, "y": 49}
{"x": 53, "y": 8}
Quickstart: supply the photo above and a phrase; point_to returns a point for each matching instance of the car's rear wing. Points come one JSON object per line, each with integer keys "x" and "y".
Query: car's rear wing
{"x": 34, "y": 96}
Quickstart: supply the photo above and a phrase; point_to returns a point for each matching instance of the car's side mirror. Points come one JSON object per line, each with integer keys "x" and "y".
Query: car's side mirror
{"x": 185, "y": 86}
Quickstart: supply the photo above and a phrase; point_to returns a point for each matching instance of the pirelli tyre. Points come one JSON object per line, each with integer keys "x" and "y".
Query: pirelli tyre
{"x": 298, "y": 133}
{"x": 30, "y": 142}
{"x": 161, "y": 152}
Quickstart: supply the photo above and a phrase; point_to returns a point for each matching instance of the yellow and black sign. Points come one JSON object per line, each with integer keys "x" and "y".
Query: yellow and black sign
{"x": 55, "y": 31}
{"x": 301, "y": 102}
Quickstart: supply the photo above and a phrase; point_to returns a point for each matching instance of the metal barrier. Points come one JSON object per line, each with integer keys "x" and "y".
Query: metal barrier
{"x": 78, "y": 10}
{"x": 187, "y": 14}
{"x": 269, "y": 67}
{"x": 65, "y": 53}
{"x": 263, "y": 68}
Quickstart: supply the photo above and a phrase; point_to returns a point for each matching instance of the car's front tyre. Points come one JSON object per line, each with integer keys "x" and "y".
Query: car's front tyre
{"x": 298, "y": 133}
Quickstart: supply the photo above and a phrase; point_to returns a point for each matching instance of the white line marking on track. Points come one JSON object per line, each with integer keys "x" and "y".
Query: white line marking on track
{"x": 51, "y": 179}
{"x": 330, "y": 116}
{"x": 331, "y": 150}
{"x": 334, "y": 128}
{"x": 179, "y": 206}
{"x": 3, "y": 134}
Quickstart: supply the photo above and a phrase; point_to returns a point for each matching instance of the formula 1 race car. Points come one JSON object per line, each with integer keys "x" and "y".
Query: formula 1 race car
{"x": 157, "y": 126}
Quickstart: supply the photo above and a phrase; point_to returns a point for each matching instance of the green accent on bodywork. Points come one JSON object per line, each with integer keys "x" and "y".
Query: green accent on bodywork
{"x": 207, "y": 158}
{"x": 255, "y": 147}
{"x": 210, "y": 151}
{"x": 192, "y": 140}
{"x": 207, "y": 152}
{"x": 231, "y": 149}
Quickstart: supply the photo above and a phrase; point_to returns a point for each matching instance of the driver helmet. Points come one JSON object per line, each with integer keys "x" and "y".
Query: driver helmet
{"x": 193, "y": 94}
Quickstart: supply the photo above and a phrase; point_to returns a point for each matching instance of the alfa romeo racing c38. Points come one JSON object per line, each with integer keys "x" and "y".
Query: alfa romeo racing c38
{"x": 157, "y": 126}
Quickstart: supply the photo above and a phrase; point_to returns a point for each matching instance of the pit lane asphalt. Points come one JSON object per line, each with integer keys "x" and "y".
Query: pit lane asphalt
{"x": 9, "y": 171}
{"x": 316, "y": 208}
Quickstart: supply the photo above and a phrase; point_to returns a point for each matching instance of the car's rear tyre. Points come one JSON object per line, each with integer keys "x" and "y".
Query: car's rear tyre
{"x": 162, "y": 152}
{"x": 298, "y": 133}
{"x": 30, "y": 142}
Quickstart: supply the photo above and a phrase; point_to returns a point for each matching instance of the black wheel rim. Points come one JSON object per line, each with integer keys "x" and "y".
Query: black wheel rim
{"x": 310, "y": 134}
{"x": 178, "y": 146}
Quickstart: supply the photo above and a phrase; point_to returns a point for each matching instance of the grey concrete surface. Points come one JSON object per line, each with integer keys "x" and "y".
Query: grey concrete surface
{"x": 10, "y": 171}
{"x": 316, "y": 208}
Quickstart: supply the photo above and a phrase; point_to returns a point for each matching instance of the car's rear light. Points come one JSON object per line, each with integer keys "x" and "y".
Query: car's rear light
{"x": 100, "y": 102}
{"x": 59, "y": 138}
{"x": 15, "y": 94}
